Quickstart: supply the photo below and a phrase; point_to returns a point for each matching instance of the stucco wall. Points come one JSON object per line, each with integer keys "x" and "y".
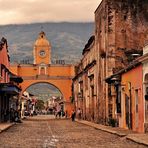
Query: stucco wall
{"x": 131, "y": 81}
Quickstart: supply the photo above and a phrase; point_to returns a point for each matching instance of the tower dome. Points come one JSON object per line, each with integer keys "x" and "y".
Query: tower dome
{"x": 42, "y": 41}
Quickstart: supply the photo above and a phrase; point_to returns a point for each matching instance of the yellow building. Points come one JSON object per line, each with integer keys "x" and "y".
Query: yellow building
{"x": 42, "y": 71}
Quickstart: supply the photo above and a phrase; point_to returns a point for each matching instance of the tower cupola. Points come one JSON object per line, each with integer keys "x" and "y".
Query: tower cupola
{"x": 42, "y": 50}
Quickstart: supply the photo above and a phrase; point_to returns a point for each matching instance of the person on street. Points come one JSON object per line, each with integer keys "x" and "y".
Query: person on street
{"x": 73, "y": 115}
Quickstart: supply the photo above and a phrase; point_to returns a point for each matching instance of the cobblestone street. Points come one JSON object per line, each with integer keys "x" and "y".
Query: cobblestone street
{"x": 61, "y": 134}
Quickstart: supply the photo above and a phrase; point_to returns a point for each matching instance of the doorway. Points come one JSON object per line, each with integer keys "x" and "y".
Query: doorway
{"x": 127, "y": 110}
{"x": 136, "y": 108}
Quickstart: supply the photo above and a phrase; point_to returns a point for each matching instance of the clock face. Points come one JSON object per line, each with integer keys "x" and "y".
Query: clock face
{"x": 42, "y": 53}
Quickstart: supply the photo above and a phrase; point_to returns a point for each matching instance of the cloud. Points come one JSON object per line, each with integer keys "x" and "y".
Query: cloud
{"x": 28, "y": 11}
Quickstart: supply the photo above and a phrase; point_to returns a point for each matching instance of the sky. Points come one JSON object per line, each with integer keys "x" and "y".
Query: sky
{"x": 31, "y": 11}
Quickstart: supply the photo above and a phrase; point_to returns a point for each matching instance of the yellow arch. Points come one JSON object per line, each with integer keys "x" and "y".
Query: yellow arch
{"x": 57, "y": 75}
{"x": 64, "y": 86}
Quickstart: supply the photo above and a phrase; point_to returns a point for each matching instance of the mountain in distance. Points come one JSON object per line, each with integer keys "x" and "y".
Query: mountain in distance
{"x": 44, "y": 91}
{"x": 67, "y": 40}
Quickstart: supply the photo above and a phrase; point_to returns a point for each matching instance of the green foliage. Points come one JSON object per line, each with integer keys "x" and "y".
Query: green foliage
{"x": 40, "y": 104}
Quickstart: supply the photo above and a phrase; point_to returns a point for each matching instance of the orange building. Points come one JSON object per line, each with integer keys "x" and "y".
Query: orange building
{"x": 9, "y": 84}
{"x": 132, "y": 108}
{"x": 42, "y": 71}
{"x": 127, "y": 88}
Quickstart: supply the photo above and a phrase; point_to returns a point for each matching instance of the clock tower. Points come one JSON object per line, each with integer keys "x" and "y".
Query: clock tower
{"x": 42, "y": 50}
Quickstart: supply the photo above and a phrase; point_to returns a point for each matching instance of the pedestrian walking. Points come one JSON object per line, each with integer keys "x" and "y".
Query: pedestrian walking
{"x": 58, "y": 111}
{"x": 73, "y": 115}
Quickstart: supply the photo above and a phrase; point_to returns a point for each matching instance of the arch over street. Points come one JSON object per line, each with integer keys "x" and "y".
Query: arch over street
{"x": 42, "y": 71}
{"x": 58, "y": 75}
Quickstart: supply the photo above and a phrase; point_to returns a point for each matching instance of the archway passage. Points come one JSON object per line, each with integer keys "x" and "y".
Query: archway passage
{"x": 44, "y": 91}
{"x": 48, "y": 98}
{"x": 59, "y": 76}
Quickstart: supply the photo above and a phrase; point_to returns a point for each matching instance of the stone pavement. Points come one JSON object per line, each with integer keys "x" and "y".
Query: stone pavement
{"x": 5, "y": 126}
{"x": 60, "y": 134}
{"x": 130, "y": 135}
{"x": 40, "y": 117}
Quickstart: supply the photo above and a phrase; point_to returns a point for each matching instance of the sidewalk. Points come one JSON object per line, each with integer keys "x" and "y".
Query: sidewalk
{"x": 5, "y": 126}
{"x": 130, "y": 135}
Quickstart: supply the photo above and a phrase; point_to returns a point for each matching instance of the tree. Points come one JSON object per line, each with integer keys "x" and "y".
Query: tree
{"x": 40, "y": 104}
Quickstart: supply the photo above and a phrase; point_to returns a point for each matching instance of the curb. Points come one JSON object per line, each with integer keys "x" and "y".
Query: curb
{"x": 134, "y": 139}
{"x": 2, "y": 130}
{"x": 128, "y": 136}
{"x": 102, "y": 129}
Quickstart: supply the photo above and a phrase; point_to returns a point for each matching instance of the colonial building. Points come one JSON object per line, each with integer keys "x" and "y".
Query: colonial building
{"x": 9, "y": 84}
{"x": 132, "y": 102}
{"x": 130, "y": 87}
{"x": 120, "y": 35}
{"x": 84, "y": 83}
